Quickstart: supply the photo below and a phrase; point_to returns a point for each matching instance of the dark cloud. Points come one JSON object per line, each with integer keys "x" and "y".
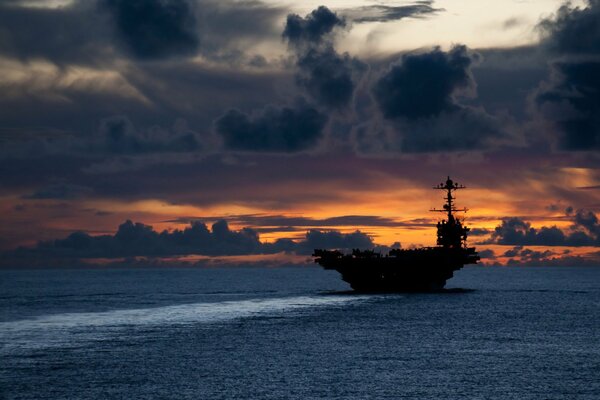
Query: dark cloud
{"x": 80, "y": 33}
{"x": 528, "y": 255}
{"x": 424, "y": 85}
{"x": 137, "y": 239}
{"x": 313, "y": 29}
{"x": 589, "y": 221}
{"x": 418, "y": 95}
{"x": 328, "y": 77}
{"x": 573, "y": 30}
{"x": 505, "y": 76}
{"x": 316, "y": 239}
{"x": 154, "y": 29}
{"x": 119, "y": 136}
{"x": 571, "y": 100}
{"x": 60, "y": 191}
{"x": 479, "y": 232}
{"x": 515, "y": 231}
{"x": 67, "y": 106}
{"x": 227, "y": 27}
{"x": 382, "y": 13}
{"x": 115, "y": 136}
{"x": 465, "y": 129}
{"x": 520, "y": 256}
{"x": 274, "y": 129}
{"x": 487, "y": 254}
{"x": 97, "y": 32}
{"x": 69, "y": 34}
{"x": 585, "y": 231}
{"x": 286, "y": 223}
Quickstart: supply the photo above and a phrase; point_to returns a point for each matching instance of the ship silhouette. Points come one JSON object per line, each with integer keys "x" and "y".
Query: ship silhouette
{"x": 408, "y": 270}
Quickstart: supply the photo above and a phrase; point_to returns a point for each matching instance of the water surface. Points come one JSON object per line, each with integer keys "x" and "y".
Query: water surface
{"x": 296, "y": 333}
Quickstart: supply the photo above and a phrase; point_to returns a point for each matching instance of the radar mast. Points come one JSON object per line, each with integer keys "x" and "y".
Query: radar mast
{"x": 450, "y": 233}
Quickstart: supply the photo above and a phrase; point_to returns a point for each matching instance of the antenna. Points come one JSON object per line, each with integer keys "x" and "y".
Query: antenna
{"x": 449, "y": 186}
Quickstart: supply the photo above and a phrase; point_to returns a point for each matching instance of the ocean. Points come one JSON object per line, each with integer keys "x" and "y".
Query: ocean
{"x": 297, "y": 333}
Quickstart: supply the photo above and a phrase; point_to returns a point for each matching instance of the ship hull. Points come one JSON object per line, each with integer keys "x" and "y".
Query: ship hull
{"x": 419, "y": 270}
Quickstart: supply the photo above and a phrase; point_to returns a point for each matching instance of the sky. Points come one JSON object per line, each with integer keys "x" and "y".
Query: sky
{"x": 200, "y": 132}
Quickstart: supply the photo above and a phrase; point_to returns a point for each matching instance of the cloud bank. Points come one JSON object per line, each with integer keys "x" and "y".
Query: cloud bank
{"x": 585, "y": 231}
{"x": 137, "y": 239}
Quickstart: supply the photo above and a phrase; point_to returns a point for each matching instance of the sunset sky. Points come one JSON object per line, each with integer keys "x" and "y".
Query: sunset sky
{"x": 296, "y": 123}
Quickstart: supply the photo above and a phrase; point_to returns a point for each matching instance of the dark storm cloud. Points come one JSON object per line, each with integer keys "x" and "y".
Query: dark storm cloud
{"x": 98, "y": 31}
{"x": 505, "y": 76}
{"x": 328, "y": 77}
{"x": 570, "y": 98}
{"x": 465, "y": 129}
{"x": 62, "y": 106}
{"x": 424, "y": 85}
{"x": 314, "y": 28}
{"x": 382, "y": 13}
{"x": 274, "y": 129}
{"x": 137, "y": 239}
{"x": 585, "y": 231}
{"x": 572, "y": 101}
{"x": 63, "y": 35}
{"x": 154, "y": 29}
{"x": 419, "y": 95}
{"x": 574, "y": 30}
{"x": 515, "y": 231}
{"x": 589, "y": 221}
{"x": 226, "y": 26}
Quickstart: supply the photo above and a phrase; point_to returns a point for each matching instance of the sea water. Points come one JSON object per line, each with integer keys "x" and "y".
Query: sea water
{"x": 297, "y": 333}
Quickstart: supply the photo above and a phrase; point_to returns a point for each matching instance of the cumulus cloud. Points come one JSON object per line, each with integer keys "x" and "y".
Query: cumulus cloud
{"x": 585, "y": 231}
{"x": 138, "y": 239}
{"x": 312, "y": 29}
{"x": 316, "y": 239}
{"x": 573, "y": 30}
{"x": 273, "y": 129}
{"x": 424, "y": 85}
{"x": 570, "y": 98}
{"x": 523, "y": 257}
{"x": 328, "y": 77}
{"x": 419, "y": 95}
{"x": 154, "y": 29}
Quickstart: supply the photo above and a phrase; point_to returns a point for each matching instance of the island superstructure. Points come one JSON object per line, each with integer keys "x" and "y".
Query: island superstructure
{"x": 406, "y": 270}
